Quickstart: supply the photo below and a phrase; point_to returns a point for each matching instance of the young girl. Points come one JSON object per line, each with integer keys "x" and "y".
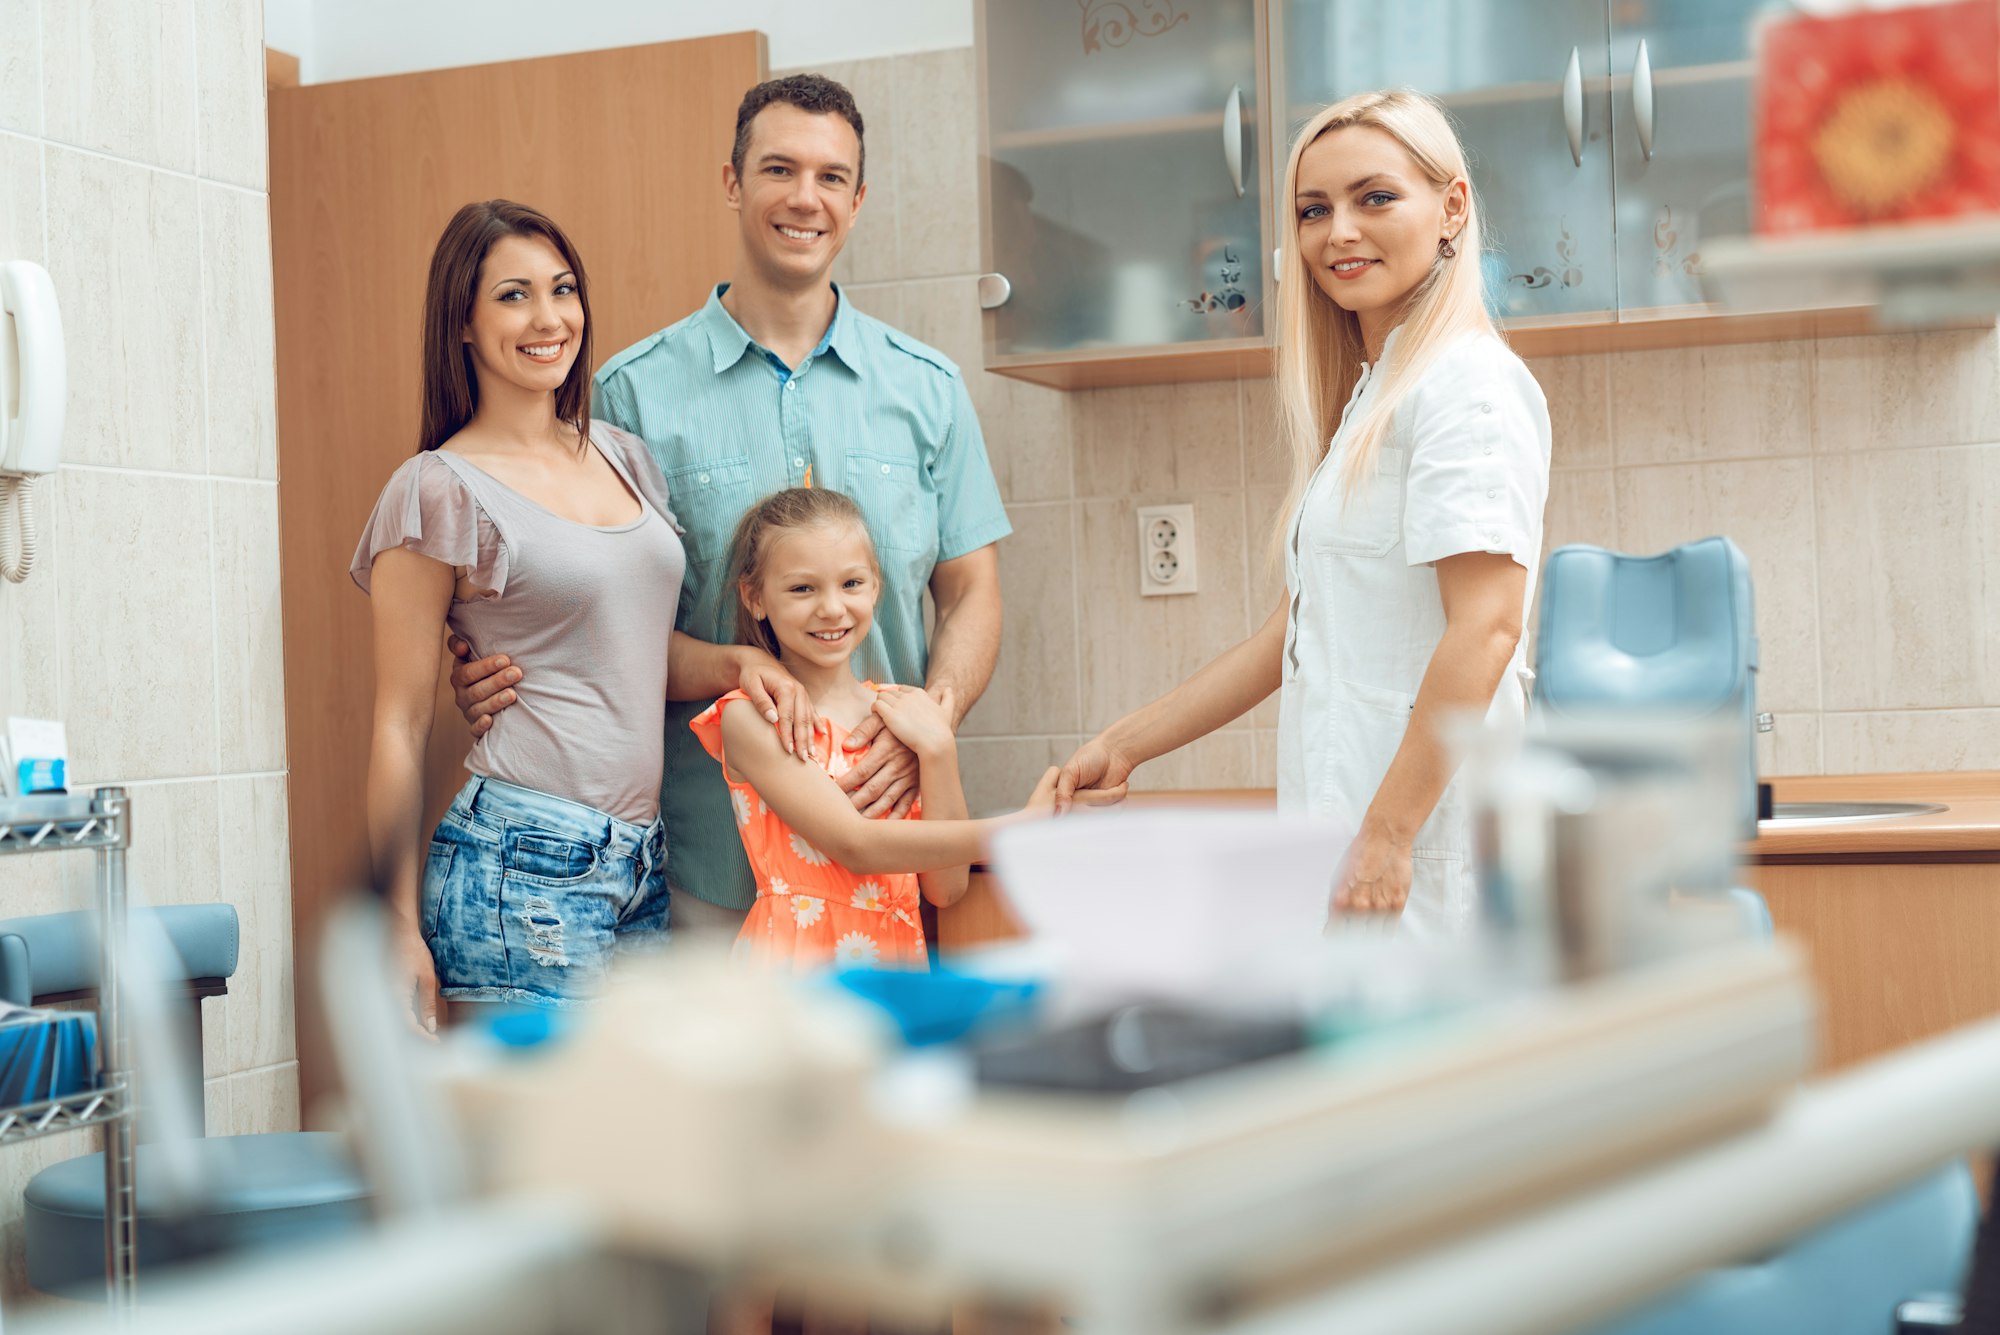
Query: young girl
{"x": 522, "y": 524}
{"x": 1420, "y": 448}
{"x": 832, "y": 886}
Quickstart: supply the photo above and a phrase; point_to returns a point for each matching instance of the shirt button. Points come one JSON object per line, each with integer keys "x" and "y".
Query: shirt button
{"x": 885, "y": 469}
{"x": 798, "y": 463}
{"x": 704, "y": 479}
{"x": 1488, "y": 449}
{"x": 1491, "y": 492}
{"x": 1485, "y": 407}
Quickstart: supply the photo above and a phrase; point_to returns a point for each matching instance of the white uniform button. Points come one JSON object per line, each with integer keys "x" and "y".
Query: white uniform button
{"x": 1485, "y": 407}
{"x": 1488, "y": 449}
{"x": 1491, "y": 492}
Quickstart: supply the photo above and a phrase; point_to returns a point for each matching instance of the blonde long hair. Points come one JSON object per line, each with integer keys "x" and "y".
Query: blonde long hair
{"x": 1320, "y": 349}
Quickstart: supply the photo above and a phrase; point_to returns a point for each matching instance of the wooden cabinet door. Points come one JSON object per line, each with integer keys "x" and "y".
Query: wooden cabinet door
{"x": 624, "y": 149}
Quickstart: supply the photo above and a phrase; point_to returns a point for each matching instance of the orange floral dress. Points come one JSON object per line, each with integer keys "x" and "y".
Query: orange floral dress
{"x": 810, "y": 911}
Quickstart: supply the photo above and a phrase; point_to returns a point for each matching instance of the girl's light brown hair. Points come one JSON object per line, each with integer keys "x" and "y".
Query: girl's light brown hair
{"x": 763, "y": 523}
{"x": 451, "y": 389}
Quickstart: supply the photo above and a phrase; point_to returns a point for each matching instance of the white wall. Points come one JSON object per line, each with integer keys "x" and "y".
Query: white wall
{"x": 353, "y": 39}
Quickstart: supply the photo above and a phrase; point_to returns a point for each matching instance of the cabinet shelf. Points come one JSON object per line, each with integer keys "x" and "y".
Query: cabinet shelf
{"x": 1917, "y": 275}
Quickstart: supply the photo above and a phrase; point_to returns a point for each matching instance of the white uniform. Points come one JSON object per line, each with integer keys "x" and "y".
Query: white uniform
{"x": 1463, "y": 468}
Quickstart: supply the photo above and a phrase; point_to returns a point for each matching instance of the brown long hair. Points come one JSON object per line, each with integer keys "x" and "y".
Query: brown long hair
{"x": 451, "y": 390}
{"x": 793, "y": 508}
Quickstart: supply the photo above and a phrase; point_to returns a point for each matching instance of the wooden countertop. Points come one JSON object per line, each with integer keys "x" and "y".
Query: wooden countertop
{"x": 1968, "y": 830}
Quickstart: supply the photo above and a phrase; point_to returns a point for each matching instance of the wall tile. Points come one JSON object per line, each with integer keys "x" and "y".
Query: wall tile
{"x": 250, "y": 673}
{"x": 138, "y": 625}
{"x": 229, "y": 57}
{"x": 1898, "y": 391}
{"x": 176, "y": 846}
{"x": 1225, "y": 759}
{"x": 1158, "y": 438}
{"x": 238, "y": 334}
{"x": 217, "y": 1114}
{"x": 256, "y": 878}
{"x": 120, "y": 78}
{"x": 1000, "y": 772}
{"x": 20, "y": 193}
{"x": 1267, "y": 458}
{"x": 20, "y": 61}
{"x": 1926, "y": 740}
{"x": 1579, "y": 393}
{"x": 1766, "y": 508}
{"x": 936, "y": 128}
{"x": 1034, "y": 684}
{"x": 30, "y": 676}
{"x": 871, "y": 252}
{"x": 127, "y": 269}
{"x": 1741, "y": 401}
{"x": 1908, "y": 579}
{"x": 1263, "y": 511}
{"x": 1264, "y": 758}
{"x": 1791, "y": 747}
{"x": 884, "y": 301}
{"x": 1583, "y": 507}
{"x": 264, "y": 1100}
{"x": 1136, "y": 648}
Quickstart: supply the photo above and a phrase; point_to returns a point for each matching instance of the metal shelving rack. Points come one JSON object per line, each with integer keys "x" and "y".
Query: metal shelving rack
{"x": 101, "y": 822}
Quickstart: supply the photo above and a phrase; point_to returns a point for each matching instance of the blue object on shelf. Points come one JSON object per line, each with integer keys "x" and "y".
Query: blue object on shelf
{"x": 939, "y": 1006}
{"x": 45, "y": 1054}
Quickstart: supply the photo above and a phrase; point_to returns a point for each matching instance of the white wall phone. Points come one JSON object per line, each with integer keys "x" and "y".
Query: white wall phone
{"x": 34, "y": 390}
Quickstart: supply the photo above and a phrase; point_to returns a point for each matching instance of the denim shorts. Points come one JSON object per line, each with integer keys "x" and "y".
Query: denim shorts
{"x": 528, "y": 897}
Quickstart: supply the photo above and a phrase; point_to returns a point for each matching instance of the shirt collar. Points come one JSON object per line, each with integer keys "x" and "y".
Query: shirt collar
{"x": 728, "y": 341}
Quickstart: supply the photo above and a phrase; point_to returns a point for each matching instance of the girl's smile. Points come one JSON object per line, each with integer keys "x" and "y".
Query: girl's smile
{"x": 818, "y": 594}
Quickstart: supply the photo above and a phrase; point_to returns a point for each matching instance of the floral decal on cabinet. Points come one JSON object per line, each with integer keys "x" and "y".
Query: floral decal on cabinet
{"x": 1113, "y": 23}
{"x": 1567, "y": 271}
{"x": 1671, "y": 254}
{"x": 1228, "y": 297}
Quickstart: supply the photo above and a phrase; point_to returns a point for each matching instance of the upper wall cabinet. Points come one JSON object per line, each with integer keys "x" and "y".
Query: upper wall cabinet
{"x": 1124, "y": 179}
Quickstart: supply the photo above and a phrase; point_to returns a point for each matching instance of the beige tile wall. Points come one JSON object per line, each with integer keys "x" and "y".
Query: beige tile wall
{"x": 1860, "y": 475}
{"x": 132, "y": 163}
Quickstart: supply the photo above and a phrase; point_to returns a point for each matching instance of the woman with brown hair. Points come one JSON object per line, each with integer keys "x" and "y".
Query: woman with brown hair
{"x": 522, "y": 522}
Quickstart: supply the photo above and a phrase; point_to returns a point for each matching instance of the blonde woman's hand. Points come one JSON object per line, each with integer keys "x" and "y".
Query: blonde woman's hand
{"x": 777, "y": 695}
{"x": 1094, "y": 776}
{"x": 918, "y": 721}
{"x": 1375, "y": 875}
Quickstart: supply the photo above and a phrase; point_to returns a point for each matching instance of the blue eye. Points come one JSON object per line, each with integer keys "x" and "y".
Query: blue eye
{"x": 1377, "y": 198}
{"x": 1312, "y": 212}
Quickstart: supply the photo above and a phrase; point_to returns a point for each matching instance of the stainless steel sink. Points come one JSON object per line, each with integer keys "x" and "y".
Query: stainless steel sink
{"x": 1790, "y": 814}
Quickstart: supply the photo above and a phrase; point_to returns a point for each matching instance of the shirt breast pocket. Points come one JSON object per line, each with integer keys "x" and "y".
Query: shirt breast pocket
{"x": 901, "y": 512}
{"x": 708, "y": 500}
{"x": 1370, "y": 522}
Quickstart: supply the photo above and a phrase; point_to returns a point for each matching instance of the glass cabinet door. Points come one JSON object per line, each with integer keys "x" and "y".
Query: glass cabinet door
{"x": 1694, "y": 184}
{"x": 1122, "y": 172}
{"x": 1502, "y": 68}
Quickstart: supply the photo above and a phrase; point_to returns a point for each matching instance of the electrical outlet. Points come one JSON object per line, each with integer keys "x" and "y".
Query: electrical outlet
{"x": 1166, "y": 550}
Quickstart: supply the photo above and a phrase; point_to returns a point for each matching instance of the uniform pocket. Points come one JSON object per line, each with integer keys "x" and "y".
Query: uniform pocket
{"x": 1371, "y": 521}
{"x": 549, "y": 858}
{"x": 901, "y": 512}
{"x": 708, "y": 500}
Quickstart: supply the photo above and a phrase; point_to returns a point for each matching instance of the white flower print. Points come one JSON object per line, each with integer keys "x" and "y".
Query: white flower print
{"x": 778, "y": 887}
{"x": 856, "y": 948}
{"x": 806, "y": 910}
{"x": 869, "y": 895}
{"x": 741, "y": 801}
{"x": 806, "y": 853}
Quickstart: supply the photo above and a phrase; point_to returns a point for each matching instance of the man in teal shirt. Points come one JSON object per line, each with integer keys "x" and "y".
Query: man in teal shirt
{"x": 777, "y": 379}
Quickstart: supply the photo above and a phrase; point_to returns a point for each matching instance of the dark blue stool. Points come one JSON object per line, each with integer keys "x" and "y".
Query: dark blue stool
{"x": 256, "y": 1191}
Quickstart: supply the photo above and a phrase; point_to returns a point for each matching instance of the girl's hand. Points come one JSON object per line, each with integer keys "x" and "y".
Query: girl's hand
{"x": 1043, "y": 800}
{"x": 417, "y": 972}
{"x": 918, "y": 721}
{"x": 1375, "y": 874}
{"x": 778, "y": 696}
{"x": 1094, "y": 776}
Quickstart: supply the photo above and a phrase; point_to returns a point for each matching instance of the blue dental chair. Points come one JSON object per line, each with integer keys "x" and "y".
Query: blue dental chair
{"x": 1675, "y": 634}
{"x": 256, "y": 1191}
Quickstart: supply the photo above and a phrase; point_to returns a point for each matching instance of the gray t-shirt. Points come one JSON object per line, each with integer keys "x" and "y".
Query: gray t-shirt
{"x": 558, "y": 599}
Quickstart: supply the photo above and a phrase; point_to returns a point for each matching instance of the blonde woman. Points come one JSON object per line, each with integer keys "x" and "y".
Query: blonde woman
{"x": 1420, "y": 462}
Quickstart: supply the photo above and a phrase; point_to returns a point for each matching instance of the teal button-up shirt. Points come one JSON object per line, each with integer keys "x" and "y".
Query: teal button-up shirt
{"x": 873, "y": 413}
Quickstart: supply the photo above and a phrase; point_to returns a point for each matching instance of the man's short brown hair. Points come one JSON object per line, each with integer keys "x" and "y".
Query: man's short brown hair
{"x": 808, "y": 92}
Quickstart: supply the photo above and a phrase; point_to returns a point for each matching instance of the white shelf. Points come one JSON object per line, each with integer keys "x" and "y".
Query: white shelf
{"x": 1917, "y": 275}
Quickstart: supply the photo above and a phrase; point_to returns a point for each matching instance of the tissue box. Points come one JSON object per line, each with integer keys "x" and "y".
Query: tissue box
{"x": 45, "y": 1054}
{"x": 1878, "y": 116}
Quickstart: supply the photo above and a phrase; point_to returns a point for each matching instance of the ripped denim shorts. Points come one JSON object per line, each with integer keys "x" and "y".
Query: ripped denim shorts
{"x": 528, "y": 897}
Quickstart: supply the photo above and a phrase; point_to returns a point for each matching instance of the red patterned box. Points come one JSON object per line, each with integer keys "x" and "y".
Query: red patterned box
{"x": 1879, "y": 116}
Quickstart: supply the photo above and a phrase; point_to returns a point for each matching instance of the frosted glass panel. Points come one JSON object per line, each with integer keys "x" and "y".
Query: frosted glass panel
{"x": 1112, "y": 209}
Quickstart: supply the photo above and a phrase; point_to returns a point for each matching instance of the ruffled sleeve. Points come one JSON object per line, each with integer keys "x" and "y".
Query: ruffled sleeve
{"x": 429, "y": 509}
{"x": 707, "y": 725}
{"x": 639, "y": 465}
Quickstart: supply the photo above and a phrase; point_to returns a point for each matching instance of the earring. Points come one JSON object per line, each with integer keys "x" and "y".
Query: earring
{"x": 1446, "y": 251}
